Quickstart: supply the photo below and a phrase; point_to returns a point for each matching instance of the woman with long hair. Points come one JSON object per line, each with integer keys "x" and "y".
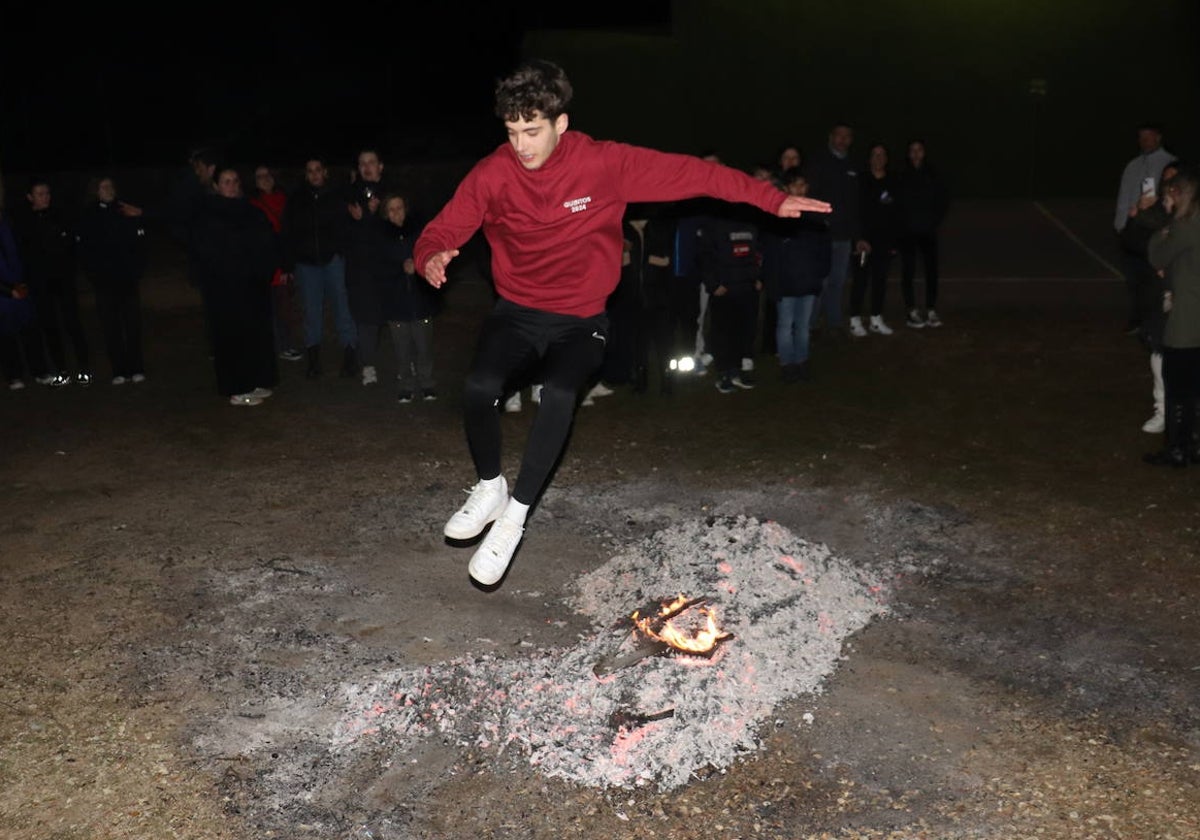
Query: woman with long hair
{"x": 1175, "y": 254}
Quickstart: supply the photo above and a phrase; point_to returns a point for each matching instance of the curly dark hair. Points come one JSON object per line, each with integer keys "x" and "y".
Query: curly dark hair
{"x": 539, "y": 87}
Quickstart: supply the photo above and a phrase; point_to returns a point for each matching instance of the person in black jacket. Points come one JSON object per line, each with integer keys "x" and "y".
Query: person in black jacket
{"x": 649, "y": 235}
{"x": 796, "y": 254}
{"x": 236, "y": 256}
{"x": 408, "y": 303}
{"x": 881, "y": 230}
{"x": 112, "y": 251}
{"x": 314, "y": 230}
{"x": 19, "y": 335}
{"x": 923, "y": 205}
{"x": 729, "y": 263}
{"x": 833, "y": 177}
{"x": 364, "y": 205}
{"x": 47, "y": 249}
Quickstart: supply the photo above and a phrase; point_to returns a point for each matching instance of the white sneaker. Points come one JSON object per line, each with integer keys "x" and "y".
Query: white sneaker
{"x": 16, "y": 385}
{"x": 915, "y": 320}
{"x": 138, "y": 378}
{"x": 245, "y": 399}
{"x": 119, "y": 380}
{"x": 368, "y": 375}
{"x": 600, "y": 390}
{"x": 1156, "y": 424}
{"x": 877, "y": 325}
{"x": 486, "y": 502}
{"x": 856, "y": 327}
{"x": 932, "y": 319}
{"x": 261, "y": 393}
{"x": 513, "y": 404}
{"x": 491, "y": 559}
{"x": 535, "y": 394}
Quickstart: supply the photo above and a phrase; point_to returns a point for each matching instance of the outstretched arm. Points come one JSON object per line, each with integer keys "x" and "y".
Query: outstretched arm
{"x": 794, "y": 205}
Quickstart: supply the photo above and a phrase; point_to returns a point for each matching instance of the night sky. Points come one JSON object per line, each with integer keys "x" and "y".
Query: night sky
{"x": 142, "y": 87}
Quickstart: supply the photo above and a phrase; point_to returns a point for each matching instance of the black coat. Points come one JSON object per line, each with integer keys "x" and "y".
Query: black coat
{"x": 924, "y": 200}
{"x": 112, "y": 247}
{"x": 404, "y": 296}
{"x": 47, "y": 248}
{"x": 881, "y": 223}
{"x": 314, "y": 226}
{"x": 796, "y": 257}
{"x": 836, "y": 180}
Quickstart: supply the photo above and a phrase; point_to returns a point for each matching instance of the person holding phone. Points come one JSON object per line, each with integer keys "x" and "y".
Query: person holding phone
{"x": 1139, "y": 180}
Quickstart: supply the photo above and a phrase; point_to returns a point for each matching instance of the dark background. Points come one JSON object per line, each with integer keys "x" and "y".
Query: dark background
{"x": 136, "y": 88}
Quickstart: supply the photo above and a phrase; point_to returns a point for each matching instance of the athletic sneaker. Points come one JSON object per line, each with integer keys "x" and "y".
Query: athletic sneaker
{"x": 245, "y": 399}
{"x": 261, "y": 393}
{"x": 45, "y": 379}
{"x": 744, "y": 380}
{"x": 600, "y": 390}
{"x": 1156, "y": 424}
{"x": 878, "y": 326}
{"x": 483, "y": 505}
{"x": 405, "y": 397}
{"x": 138, "y": 378}
{"x": 429, "y": 395}
{"x": 119, "y": 380}
{"x": 932, "y": 319}
{"x": 915, "y": 320}
{"x": 83, "y": 378}
{"x": 59, "y": 380}
{"x": 513, "y": 404}
{"x": 535, "y": 394}
{"x": 856, "y": 327}
{"x": 291, "y": 355}
{"x": 15, "y": 385}
{"x": 369, "y": 376}
{"x": 491, "y": 559}
{"x": 725, "y": 385}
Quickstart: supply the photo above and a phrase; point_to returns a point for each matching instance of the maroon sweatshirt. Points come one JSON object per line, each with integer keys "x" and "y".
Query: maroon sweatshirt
{"x": 555, "y": 231}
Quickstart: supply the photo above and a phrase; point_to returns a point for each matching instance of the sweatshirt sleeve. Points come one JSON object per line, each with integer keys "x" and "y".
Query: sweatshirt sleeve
{"x": 1167, "y": 245}
{"x": 457, "y": 221}
{"x": 648, "y": 175}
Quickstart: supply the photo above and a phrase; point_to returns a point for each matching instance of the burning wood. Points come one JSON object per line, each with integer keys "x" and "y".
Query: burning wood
{"x": 696, "y": 633}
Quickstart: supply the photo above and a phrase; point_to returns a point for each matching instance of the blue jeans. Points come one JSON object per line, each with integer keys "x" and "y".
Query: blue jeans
{"x": 318, "y": 283}
{"x": 831, "y": 287}
{"x": 791, "y": 328}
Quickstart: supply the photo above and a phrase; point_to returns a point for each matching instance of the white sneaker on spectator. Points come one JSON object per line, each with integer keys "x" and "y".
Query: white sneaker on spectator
{"x": 513, "y": 404}
{"x": 369, "y": 376}
{"x": 261, "y": 393}
{"x": 856, "y": 327}
{"x": 119, "y": 380}
{"x": 535, "y": 394}
{"x": 245, "y": 399}
{"x": 485, "y": 502}
{"x": 1157, "y": 424}
{"x": 932, "y": 319}
{"x": 491, "y": 559}
{"x": 600, "y": 390}
{"x": 878, "y": 326}
{"x": 915, "y": 320}
{"x": 138, "y": 378}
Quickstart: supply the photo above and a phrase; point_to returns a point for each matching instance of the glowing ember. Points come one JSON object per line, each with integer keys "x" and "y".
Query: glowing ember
{"x": 679, "y": 626}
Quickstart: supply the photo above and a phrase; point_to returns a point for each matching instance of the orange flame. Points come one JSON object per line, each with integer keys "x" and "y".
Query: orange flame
{"x": 702, "y": 640}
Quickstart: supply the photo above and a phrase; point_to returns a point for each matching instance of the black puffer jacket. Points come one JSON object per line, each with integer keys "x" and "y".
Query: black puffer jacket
{"x": 112, "y": 247}
{"x": 314, "y": 226}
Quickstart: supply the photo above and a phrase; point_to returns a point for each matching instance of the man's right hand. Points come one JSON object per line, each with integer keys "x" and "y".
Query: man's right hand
{"x": 435, "y": 267}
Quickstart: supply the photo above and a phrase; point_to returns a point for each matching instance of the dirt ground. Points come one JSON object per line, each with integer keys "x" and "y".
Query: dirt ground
{"x": 181, "y": 578}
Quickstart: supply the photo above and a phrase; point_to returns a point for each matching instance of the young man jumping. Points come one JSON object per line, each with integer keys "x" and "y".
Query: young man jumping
{"x": 550, "y": 202}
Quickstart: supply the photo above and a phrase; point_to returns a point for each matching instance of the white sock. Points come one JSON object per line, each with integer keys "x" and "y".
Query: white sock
{"x": 516, "y": 512}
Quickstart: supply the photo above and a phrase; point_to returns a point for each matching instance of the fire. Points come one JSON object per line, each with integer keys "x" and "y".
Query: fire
{"x": 697, "y": 639}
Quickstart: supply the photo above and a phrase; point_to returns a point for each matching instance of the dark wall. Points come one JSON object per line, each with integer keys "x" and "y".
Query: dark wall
{"x": 746, "y": 77}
